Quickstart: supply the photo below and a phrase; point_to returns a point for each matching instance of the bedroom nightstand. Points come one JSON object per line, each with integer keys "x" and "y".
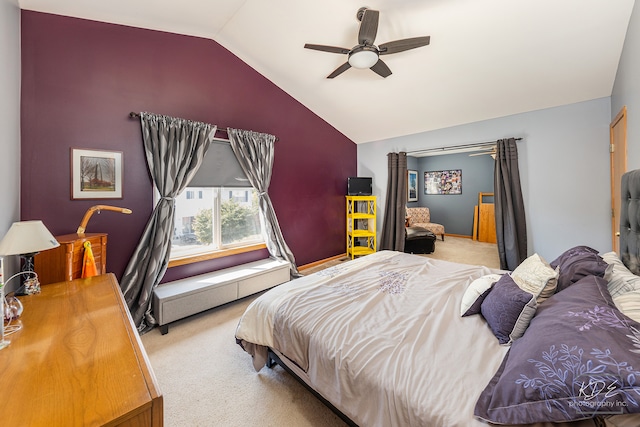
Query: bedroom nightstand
{"x": 361, "y": 225}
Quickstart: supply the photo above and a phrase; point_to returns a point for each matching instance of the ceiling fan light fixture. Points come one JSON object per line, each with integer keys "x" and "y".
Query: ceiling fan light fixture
{"x": 363, "y": 57}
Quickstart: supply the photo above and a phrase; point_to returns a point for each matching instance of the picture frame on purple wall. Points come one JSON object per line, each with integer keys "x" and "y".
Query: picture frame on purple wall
{"x": 96, "y": 174}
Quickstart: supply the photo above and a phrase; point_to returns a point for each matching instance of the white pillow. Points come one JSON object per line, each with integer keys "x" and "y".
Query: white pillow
{"x": 620, "y": 279}
{"x": 475, "y": 291}
{"x": 535, "y": 275}
{"x": 629, "y": 304}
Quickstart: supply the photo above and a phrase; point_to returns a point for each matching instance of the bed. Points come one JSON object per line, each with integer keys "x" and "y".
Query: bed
{"x": 395, "y": 339}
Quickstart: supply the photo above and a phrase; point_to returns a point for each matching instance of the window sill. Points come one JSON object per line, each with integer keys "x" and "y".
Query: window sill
{"x": 217, "y": 254}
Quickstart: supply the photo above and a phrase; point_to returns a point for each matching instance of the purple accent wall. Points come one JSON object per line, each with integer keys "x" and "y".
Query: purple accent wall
{"x": 80, "y": 80}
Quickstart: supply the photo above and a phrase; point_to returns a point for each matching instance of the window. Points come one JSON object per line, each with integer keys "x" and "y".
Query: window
{"x": 218, "y": 218}
{"x": 218, "y": 213}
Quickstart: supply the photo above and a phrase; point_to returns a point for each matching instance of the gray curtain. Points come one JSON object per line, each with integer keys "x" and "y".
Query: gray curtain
{"x": 255, "y": 153}
{"x": 174, "y": 149}
{"x": 511, "y": 226}
{"x": 393, "y": 229}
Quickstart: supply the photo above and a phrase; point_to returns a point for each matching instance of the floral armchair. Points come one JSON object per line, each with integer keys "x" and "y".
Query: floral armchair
{"x": 421, "y": 217}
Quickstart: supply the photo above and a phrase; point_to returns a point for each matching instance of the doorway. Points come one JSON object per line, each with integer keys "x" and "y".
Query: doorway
{"x": 457, "y": 211}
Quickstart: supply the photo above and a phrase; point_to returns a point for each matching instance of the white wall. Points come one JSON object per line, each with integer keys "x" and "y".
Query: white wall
{"x": 9, "y": 116}
{"x": 564, "y": 169}
{"x": 626, "y": 90}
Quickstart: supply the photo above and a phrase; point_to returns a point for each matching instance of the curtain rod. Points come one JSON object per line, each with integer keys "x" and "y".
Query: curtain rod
{"x": 457, "y": 147}
{"x": 133, "y": 115}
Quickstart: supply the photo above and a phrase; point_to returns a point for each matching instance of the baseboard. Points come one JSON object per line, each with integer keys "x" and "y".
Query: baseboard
{"x": 461, "y": 236}
{"x": 322, "y": 261}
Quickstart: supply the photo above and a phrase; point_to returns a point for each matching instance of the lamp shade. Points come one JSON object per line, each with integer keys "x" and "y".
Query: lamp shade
{"x": 27, "y": 237}
{"x": 363, "y": 57}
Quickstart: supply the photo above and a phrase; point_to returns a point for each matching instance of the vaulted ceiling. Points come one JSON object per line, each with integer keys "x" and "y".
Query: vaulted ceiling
{"x": 486, "y": 59}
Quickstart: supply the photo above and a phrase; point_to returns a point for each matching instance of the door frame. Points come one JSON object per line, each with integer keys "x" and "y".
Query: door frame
{"x": 617, "y": 156}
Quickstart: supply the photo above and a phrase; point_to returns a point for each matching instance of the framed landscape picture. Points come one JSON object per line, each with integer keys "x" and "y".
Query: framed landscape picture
{"x": 412, "y": 186}
{"x": 443, "y": 182}
{"x": 96, "y": 174}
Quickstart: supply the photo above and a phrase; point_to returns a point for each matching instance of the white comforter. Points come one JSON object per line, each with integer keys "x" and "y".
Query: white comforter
{"x": 381, "y": 337}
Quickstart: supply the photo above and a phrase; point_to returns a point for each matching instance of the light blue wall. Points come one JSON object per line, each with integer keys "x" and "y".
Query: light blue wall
{"x": 564, "y": 169}
{"x": 626, "y": 90}
{"x": 9, "y": 118}
{"x": 455, "y": 212}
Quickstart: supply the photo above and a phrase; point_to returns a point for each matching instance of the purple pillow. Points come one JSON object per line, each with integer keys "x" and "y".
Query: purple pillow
{"x": 508, "y": 309}
{"x": 573, "y": 251}
{"x": 578, "y": 359}
{"x": 576, "y": 263}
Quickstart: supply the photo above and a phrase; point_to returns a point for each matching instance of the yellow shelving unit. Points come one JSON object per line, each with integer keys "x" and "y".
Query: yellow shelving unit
{"x": 361, "y": 225}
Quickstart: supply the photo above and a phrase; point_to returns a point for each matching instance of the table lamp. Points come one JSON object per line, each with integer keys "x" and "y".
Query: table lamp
{"x": 27, "y": 238}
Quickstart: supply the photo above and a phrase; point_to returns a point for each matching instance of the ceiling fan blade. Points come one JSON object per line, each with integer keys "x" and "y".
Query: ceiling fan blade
{"x": 341, "y": 69}
{"x": 381, "y": 69}
{"x": 331, "y": 49}
{"x": 404, "y": 44}
{"x": 487, "y": 151}
{"x": 368, "y": 27}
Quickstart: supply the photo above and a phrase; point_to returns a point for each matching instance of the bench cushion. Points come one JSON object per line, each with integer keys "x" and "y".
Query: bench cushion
{"x": 419, "y": 233}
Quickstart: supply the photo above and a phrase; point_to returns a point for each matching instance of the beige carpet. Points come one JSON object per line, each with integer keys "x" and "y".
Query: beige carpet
{"x": 466, "y": 251}
{"x": 208, "y": 380}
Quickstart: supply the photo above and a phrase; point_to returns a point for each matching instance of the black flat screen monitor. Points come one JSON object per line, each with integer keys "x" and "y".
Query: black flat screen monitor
{"x": 359, "y": 186}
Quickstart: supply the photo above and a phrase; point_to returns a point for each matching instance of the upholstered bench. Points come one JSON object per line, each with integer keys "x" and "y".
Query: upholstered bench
{"x": 419, "y": 240}
{"x": 182, "y": 298}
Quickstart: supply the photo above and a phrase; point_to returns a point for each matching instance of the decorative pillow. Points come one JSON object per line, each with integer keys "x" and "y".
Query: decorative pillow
{"x": 578, "y": 359}
{"x": 476, "y": 293}
{"x": 629, "y": 304}
{"x": 576, "y": 263}
{"x": 536, "y": 276}
{"x": 620, "y": 279}
{"x": 571, "y": 252}
{"x": 508, "y": 309}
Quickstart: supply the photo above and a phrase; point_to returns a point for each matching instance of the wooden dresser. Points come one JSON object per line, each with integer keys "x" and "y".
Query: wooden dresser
{"x": 64, "y": 263}
{"x": 78, "y": 361}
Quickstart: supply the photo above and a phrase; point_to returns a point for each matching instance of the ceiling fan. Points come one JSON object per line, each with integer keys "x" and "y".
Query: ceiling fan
{"x": 492, "y": 152}
{"x": 365, "y": 54}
